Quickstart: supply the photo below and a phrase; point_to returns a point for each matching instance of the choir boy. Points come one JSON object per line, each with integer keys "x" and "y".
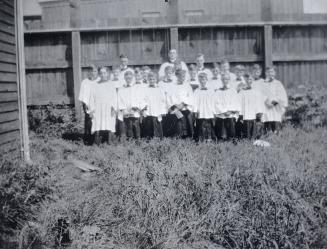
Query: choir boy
{"x": 252, "y": 104}
{"x": 102, "y": 107}
{"x": 138, "y": 76}
{"x": 204, "y": 110}
{"x": 225, "y": 69}
{"x": 145, "y": 71}
{"x": 167, "y": 87}
{"x": 239, "y": 82}
{"x": 131, "y": 103}
{"x": 124, "y": 66}
{"x": 257, "y": 76}
{"x": 194, "y": 82}
{"x": 182, "y": 105}
{"x": 215, "y": 82}
{"x": 116, "y": 78}
{"x": 84, "y": 97}
{"x": 200, "y": 65}
{"x": 154, "y": 108}
{"x": 227, "y": 108}
{"x": 276, "y": 101}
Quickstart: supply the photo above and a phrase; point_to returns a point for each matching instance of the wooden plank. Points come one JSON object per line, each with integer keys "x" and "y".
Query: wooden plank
{"x": 6, "y": 67}
{"x": 4, "y": 17}
{"x": 8, "y": 48}
{"x": 173, "y": 38}
{"x": 47, "y": 65}
{"x": 77, "y": 71}
{"x": 7, "y": 28}
{"x": 8, "y": 10}
{"x": 9, "y": 126}
{"x": 268, "y": 45}
{"x": 9, "y": 137}
{"x": 300, "y": 57}
{"x": 75, "y": 13}
{"x": 8, "y": 87}
{"x": 266, "y": 10}
{"x": 9, "y": 116}
{"x": 8, "y": 77}
{"x": 8, "y": 96}
{"x": 8, "y": 58}
{"x": 10, "y": 149}
{"x": 54, "y": 100}
{"x": 7, "y": 38}
{"x": 8, "y": 106}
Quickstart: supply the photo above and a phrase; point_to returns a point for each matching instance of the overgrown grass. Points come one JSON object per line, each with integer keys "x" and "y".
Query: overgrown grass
{"x": 178, "y": 194}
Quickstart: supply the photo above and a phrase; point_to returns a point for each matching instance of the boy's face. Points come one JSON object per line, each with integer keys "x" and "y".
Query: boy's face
{"x": 239, "y": 73}
{"x": 116, "y": 73}
{"x": 145, "y": 73}
{"x": 172, "y": 55}
{"x": 181, "y": 77}
{"x": 225, "y": 67}
{"x": 94, "y": 73}
{"x": 257, "y": 73}
{"x": 128, "y": 79}
{"x": 225, "y": 80}
{"x": 193, "y": 74}
{"x": 203, "y": 81}
{"x": 270, "y": 73}
{"x": 124, "y": 62}
{"x": 169, "y": 74}
{"x": 138, "y": 76}
{"x": 249, "y": 81}
{"x": 152, "y": 80}
{"x": 200, "y": 61}
{"x": 104, "y": 75}
{"x": 215, "y": 71}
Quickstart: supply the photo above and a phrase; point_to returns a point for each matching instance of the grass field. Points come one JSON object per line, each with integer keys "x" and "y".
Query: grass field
{"x": 178, "y": 194}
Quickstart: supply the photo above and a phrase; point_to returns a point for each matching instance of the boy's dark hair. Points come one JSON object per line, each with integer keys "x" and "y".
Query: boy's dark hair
{"x": 123, "y": 56}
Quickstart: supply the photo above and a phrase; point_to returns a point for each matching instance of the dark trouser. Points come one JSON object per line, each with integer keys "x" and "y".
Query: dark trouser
{"x": 169, "y": 125}
{"x": 225, "y": 128}
{"x": 88, "y": 138}
{"x": 102, "y": 137}
{"x": 272, "y": 126}
{"x": 204, "y": 129}
{"x": 132, "y": 126}
{"x": 151, "y": 127}
{"x": 249, "y": 129}
{"x": 185, "y": 125}
{"x": 239, "y": 127}
{"x": 120, "y": 129}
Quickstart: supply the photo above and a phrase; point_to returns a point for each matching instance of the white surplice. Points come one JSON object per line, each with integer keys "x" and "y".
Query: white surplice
{"x": 183, "y": 94}
{"x": 214, "y": 84}
{"x": 227, "y": 100}
{"x": 131, "y": 100}
{"x": 103, "y": 103}
{"x": 204, "y": 103}
{"x": 168, "y": 90}
{"x": 252, "y": 103}
{"x": 274, "y": 91}
{"x": 155, "y": 102}
{"x": 85, "y": 91}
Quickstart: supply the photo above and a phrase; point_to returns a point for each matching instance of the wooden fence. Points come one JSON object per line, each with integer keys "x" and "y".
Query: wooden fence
{"x": 68, "y": 38}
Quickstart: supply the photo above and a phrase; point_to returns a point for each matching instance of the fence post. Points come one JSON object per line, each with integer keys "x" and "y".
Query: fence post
{"x": 25, "y": 149}
{"x": 173, "y": 38}
{"x": 268, "y": 38}
{"x": 77, "y": 72}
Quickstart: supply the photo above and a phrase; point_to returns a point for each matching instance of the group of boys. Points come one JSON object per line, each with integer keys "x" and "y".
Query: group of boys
{"x": 180, "y": 101}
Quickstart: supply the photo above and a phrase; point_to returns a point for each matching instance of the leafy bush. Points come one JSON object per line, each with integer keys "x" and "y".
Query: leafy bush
{"x": 52, "y": 120}
{"x": 308, "y": 103}
{"x": 178, "y": 194}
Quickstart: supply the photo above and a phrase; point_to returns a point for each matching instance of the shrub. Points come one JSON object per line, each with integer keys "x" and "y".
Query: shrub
{"x": 52, "y": 120}
{"x": 308, "y": 103}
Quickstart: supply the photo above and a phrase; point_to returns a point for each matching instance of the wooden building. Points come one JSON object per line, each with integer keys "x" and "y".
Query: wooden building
{"x": 13, "y": 118}
{"x": 69, "y": 35}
